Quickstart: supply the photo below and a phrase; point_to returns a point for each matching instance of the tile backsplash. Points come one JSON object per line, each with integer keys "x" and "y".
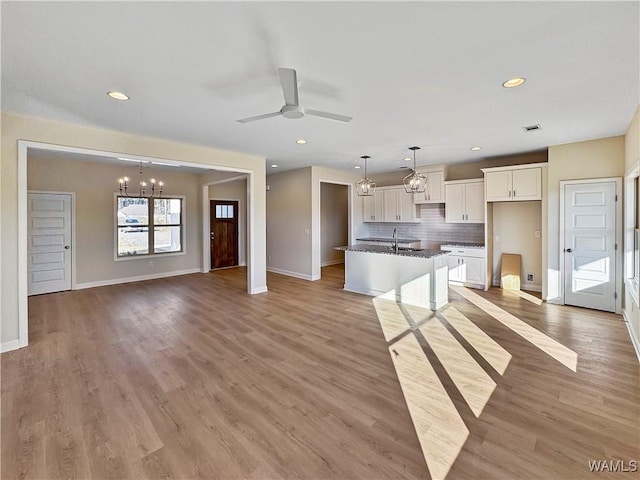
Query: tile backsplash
{"x": 432, "y": 229}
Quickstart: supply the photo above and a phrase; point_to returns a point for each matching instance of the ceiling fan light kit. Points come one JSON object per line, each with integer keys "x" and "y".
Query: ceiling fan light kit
{"x": 415, "y": 182}
{"x": 291, "y": 108}
{"x": 365, "y": 187}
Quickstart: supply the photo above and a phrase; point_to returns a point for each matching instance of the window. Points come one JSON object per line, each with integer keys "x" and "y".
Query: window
{"x": 148, "y": 226}
{"x": 224, "y": 211}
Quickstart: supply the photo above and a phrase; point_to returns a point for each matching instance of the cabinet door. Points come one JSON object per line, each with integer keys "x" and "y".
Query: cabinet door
{"x": 372, "y": 208}
{"x": 474, "y": 202}
{"x": 406, "y": 207}
{"x": 455, "y": 268}
{"x": 498, "y": 186}
{"x": 473, "y": 270}
{"x": 454, "y": 203}
{"x": 390, "y": 202}
{"x": 527, "y": 184}
{"x": 368, "y": 209}
{"x": 435, "y": 187}
{"x": 434, "y": 193}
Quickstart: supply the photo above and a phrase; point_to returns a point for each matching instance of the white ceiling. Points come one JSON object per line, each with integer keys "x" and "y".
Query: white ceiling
{"x": 417, "y": 73}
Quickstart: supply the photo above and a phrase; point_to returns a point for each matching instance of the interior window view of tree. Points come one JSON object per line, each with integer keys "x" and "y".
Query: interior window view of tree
{"x": 139, "y": 227}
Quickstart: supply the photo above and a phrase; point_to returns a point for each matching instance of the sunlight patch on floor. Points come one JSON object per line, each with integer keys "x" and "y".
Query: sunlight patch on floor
{"x": 440, "y": 429}
{"x": 562, "y": 354}
{"x": 475, "y": 385}
{"x": 486, "y": 346}
{"x": 526, "y": 296}
{"x": 391, "y": 317}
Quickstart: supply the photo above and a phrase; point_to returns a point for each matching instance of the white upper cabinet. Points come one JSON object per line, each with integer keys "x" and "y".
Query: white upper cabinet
{"x": 389, "y": 204}
{"x": 398, "y": 205}
{"x": 516, "y": 183}
{"x": 464, "y": 201}
{"x": 373, "y": 207}
{"x": 434, "y": 193}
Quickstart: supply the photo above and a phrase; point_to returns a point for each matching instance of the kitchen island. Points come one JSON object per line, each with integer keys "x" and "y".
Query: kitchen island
{"x": 407, "y": 275}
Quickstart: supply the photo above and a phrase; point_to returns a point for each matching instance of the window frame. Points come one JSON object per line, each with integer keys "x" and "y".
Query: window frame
{"x": 150, "y": 232}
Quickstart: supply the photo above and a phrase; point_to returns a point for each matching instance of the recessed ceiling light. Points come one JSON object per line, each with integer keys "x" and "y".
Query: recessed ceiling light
{"x": 118, "y": 95}
{"x": 301, "y": 141}
{"x": 357, "y": 166}
{"x": 475, "y": 149}
{"x": 274, "y": 166}
{"x": 407, "y": 159}
{"x": 514, "y": 82}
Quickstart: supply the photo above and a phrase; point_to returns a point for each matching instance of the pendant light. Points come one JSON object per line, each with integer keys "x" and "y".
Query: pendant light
{"x": 415, "y": 182}
{"x": 365, "y": 186}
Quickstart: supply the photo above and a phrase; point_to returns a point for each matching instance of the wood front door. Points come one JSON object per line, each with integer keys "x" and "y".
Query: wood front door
{"x": 224, "y": 233}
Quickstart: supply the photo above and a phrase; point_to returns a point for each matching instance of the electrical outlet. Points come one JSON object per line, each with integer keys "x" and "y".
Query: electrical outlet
{"x": 269, "y": 257}
{"x": 537, "y": 234}
{"x": 306, "y": 231}
{"x": 151, "y": 263}
{"x": 497, "y": 238}
{"x": 529, "y": 277}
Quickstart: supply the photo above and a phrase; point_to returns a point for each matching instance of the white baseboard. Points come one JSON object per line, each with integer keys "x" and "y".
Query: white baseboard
{"x": 332, "y": 262}
{"x": 12, "y": 345}
{"x": 303, "y": 276}
{"x": 532, "y": 287}
{"x": 634, "y": 340}
{"x": 139, "y": 278}
{"x": 259, "y": 290}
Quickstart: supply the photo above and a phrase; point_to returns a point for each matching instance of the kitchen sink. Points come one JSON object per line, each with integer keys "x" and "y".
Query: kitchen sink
{"x": 408, "y": 249}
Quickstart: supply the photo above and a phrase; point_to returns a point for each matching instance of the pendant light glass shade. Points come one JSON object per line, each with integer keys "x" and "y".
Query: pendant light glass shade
{"x": 365, "y": 187}
{"x": 415, "y": 182}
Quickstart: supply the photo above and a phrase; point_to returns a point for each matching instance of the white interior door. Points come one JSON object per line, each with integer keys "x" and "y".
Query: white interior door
{"x": 49, "y": 242}
{"x": 589, "y": 245}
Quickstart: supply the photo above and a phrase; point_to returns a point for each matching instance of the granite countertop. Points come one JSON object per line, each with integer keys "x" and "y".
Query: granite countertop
{"x": 462, "y": 245}
{"x": 385, "y": 250}
{"x": 390, "y": 240}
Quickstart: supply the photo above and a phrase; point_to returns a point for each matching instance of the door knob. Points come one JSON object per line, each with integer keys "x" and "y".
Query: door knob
{"x": 568, "y": 250}
{"x": 67, "y": 247}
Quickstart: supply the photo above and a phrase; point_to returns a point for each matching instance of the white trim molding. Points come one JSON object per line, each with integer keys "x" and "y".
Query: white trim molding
{"x": 138, "y": 278}
{"x": 288, "y": 273}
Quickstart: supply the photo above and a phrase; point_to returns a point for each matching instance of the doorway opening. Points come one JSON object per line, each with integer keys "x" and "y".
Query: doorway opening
{"x": 334, "y": 222}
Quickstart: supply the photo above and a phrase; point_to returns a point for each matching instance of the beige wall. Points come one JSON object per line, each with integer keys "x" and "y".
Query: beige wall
{"x": 235, "y": 190}
{"x": 516, "y": 223}
{"x": 17, "y": 127}
{"x": 463, "y": 171}
{"x": 288, "y": 217}
{"x": 601, "y": 158}
{"x": 94, "y": 207}
{"x": 334, "y": 221}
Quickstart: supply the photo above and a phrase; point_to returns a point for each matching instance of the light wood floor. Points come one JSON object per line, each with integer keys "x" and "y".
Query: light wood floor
{"x": 190, "y": 377}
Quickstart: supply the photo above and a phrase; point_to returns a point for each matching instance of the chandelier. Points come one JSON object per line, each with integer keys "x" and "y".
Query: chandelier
{"x": 142, "y": 192}
{"x": 415, "y": 182}
{"x": 365, "y": 186}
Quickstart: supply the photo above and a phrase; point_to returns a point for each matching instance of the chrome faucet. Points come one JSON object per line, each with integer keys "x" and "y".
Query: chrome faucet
{"x": 395, "y": 241}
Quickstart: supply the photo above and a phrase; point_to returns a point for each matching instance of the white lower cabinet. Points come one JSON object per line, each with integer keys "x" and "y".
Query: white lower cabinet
{"x": 467, "y": 266}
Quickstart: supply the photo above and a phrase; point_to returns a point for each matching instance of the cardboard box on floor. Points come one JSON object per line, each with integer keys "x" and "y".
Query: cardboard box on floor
{"x": 510, "y": 272}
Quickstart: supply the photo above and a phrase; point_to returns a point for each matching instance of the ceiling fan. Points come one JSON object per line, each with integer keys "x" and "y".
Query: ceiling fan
{"x": 291, "y": 108}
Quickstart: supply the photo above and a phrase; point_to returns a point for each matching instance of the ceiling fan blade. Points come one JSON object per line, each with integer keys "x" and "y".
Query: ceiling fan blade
{"x": 289, "y": 81}
{"x": 330, "y": 116}
{"x": 259, "y": 117}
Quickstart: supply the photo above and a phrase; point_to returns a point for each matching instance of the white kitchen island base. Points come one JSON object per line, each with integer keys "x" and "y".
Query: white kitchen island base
{"x": 415, "y": 280}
